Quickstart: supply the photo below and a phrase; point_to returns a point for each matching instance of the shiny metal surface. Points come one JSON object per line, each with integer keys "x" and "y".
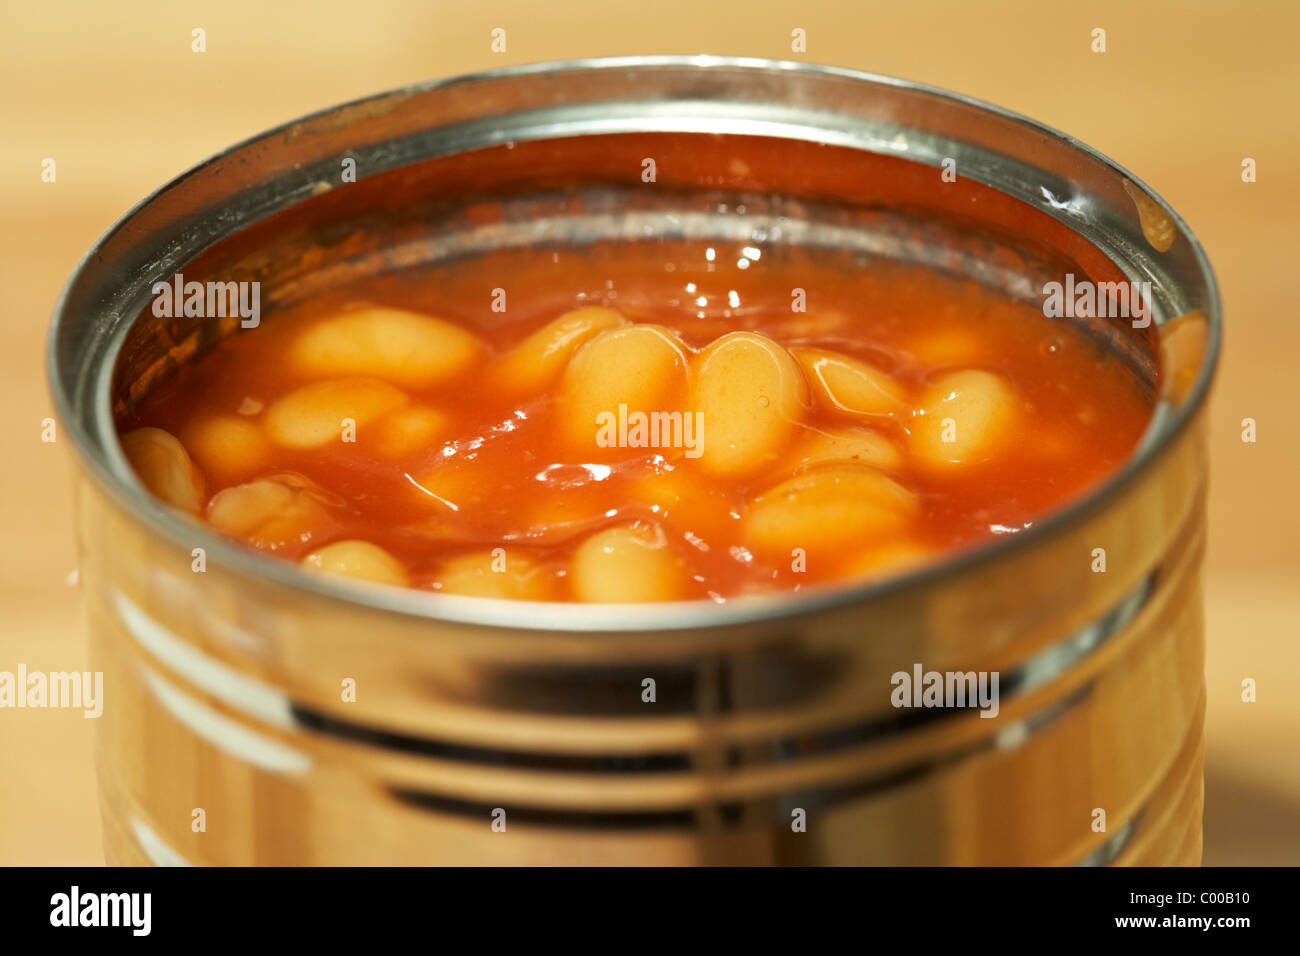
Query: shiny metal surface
{"x": 224, "y": 688}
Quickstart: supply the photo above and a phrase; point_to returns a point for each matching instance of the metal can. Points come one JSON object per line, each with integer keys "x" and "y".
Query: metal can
{"x": 258, "y": 715}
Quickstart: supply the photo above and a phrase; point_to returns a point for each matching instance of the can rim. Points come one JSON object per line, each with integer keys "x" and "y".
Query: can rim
{"x": 599, "y": 619}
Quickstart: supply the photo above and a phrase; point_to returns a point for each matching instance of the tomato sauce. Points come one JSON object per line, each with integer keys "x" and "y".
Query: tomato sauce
{"x": 490, "y": 475}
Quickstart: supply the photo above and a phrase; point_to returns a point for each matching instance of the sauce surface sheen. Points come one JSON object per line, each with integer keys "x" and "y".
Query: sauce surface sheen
{"x": 902, "y": 414}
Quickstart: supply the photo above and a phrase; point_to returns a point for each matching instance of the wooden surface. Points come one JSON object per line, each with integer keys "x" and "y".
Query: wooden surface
{"x": 1184, "y": 92}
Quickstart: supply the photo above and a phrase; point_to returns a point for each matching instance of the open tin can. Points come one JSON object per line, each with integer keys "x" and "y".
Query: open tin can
{"x": 489, "y": 732}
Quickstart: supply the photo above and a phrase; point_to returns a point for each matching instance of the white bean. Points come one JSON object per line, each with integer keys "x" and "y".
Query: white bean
{"x": 848, "y": 385}
{"x": 409, "y": 349}
{"x": 499, "y": 573}
{"x": 963, "y": 418}
{"x": 887, "y": 560}
{"x": 228, "y": 448}
{"x": 273, "y": 513}
{"x": 749, "y": 397}
{"x": 408, "y": 431}
{"x": 826, "y": 510}
{"x": 536, "y": 362}
{"x": 318, "y": 414}
{"x": 164, "y": 467}
{"x": 642, "y": 367}
{"x": 626, "y": 563}
{"x": 360, "y": 560}
{"x": 848, "y": 444}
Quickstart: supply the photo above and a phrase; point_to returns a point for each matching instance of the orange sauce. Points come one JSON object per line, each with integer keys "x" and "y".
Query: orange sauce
{"x": 505, "y": 471}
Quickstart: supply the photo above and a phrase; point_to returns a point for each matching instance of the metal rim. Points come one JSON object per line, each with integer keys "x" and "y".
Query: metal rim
{"x": 108, "y": 466}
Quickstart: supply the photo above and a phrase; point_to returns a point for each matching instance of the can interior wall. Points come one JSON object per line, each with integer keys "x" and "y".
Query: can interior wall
{"x": 497, "y": 732}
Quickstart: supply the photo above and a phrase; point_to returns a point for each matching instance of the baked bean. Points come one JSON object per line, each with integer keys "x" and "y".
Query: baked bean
{"x": 411, "y": 350}
{"x": 408, "y": 431}
{"x": 500, "y": 573}
{"x": 848, "y": 444}
{"x": 282, "y": 512}
{"x": 164, "y": 467}
{"x": 848, "y": 385}
{"x": 227, "y": 447}
{"x": 316, "y": 414}
{"x": 626, "y": 563}
{"x": 642, "y": 367}
{"x": 827, "y": 509}
{"x": 887, "y": 560}
{"x": 749, "y": 396}
{"x": 360, "y": 560}
{"x": 537, "y": 361}
{"x": 963, "y": 417}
